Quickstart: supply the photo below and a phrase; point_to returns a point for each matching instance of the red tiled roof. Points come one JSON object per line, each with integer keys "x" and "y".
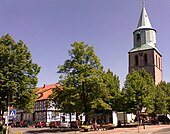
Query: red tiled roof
{"x": 46, "y": 90}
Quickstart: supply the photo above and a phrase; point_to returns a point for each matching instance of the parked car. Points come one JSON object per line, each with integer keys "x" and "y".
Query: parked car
{"x": 12, "y": 124}
{"x": 163, "y": 119}
{"x": 76, "y": 124}
{"x": 25, "y": 123}
{"x": 40, "y": 124}
{"x": 154, "y": 121}
{"x": 54, "y": 124}
{"x": 18, "y": 124}
{"x": 65, "y": 124}
{"x": 31, "y": 123}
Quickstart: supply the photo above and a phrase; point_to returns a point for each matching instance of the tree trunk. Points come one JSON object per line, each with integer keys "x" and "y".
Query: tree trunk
{"x": 70, "y": 120}
{"x": 85, "y": 104}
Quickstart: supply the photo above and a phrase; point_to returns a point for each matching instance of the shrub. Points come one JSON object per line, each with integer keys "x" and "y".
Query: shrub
{"x": 2, "y": 129}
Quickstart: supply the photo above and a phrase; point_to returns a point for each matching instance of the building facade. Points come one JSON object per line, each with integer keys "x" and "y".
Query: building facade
{"x": 44, "y": 109}
{"x": 144, "y": 53}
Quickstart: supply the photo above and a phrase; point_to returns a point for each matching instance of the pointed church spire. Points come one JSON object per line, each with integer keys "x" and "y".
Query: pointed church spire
{"x": 144, "y": 19}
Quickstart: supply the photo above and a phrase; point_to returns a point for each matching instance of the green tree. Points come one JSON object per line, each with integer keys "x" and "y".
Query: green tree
{"x": 82, "y": 79}
{"x": 112, "y": 84}
{"x": 18, "y": 75}
{"x": 168, "y": 97}
{"x": 138, "y": 91}
{"x": 161, "y": 98}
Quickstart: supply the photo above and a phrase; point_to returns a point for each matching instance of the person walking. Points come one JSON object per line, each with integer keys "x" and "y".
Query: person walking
{"x": 143, "y": 123}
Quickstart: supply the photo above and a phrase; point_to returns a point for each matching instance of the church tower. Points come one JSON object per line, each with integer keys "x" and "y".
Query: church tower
{"x": 144, "y": 53}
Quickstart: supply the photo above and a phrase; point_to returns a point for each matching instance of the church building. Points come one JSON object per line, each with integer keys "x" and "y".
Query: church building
{"x": 144, "y": 53}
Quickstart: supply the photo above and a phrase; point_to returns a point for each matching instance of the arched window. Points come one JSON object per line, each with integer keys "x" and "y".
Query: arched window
{"x": 145, "y": 58}
{"x": 136, "y": 60}
{"x": 159, "y": 63}
{"x": 138, "y": 36}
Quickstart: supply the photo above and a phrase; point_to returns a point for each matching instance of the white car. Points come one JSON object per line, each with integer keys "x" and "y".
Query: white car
{"x": 65, "y": 124}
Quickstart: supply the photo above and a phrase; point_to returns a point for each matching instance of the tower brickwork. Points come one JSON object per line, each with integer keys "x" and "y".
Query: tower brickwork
{"x": 144, "y": 53}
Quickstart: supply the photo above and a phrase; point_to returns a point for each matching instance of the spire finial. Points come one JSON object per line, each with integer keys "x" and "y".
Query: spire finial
{"x": 143, "y": 2}
{"x": 144, "y": 19}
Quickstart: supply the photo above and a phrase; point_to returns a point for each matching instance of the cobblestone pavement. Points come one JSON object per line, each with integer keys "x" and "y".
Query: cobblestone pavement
{"x": 149, "y": 129}
{"x": 135, "y": 130}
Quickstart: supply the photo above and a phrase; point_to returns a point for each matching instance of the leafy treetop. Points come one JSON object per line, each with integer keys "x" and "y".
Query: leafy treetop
{"x": 18, "y": 74}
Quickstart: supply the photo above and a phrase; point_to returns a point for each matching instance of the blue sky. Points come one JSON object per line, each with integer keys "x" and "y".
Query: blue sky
{"x": 48, "y": 27}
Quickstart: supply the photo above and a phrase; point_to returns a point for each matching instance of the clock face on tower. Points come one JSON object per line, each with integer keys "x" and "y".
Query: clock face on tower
{"x": 141, "y": 53}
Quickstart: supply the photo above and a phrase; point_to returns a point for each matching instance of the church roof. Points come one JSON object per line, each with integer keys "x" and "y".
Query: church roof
{"x": 143, "y": 47}
{"x": 144, "y": 21}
